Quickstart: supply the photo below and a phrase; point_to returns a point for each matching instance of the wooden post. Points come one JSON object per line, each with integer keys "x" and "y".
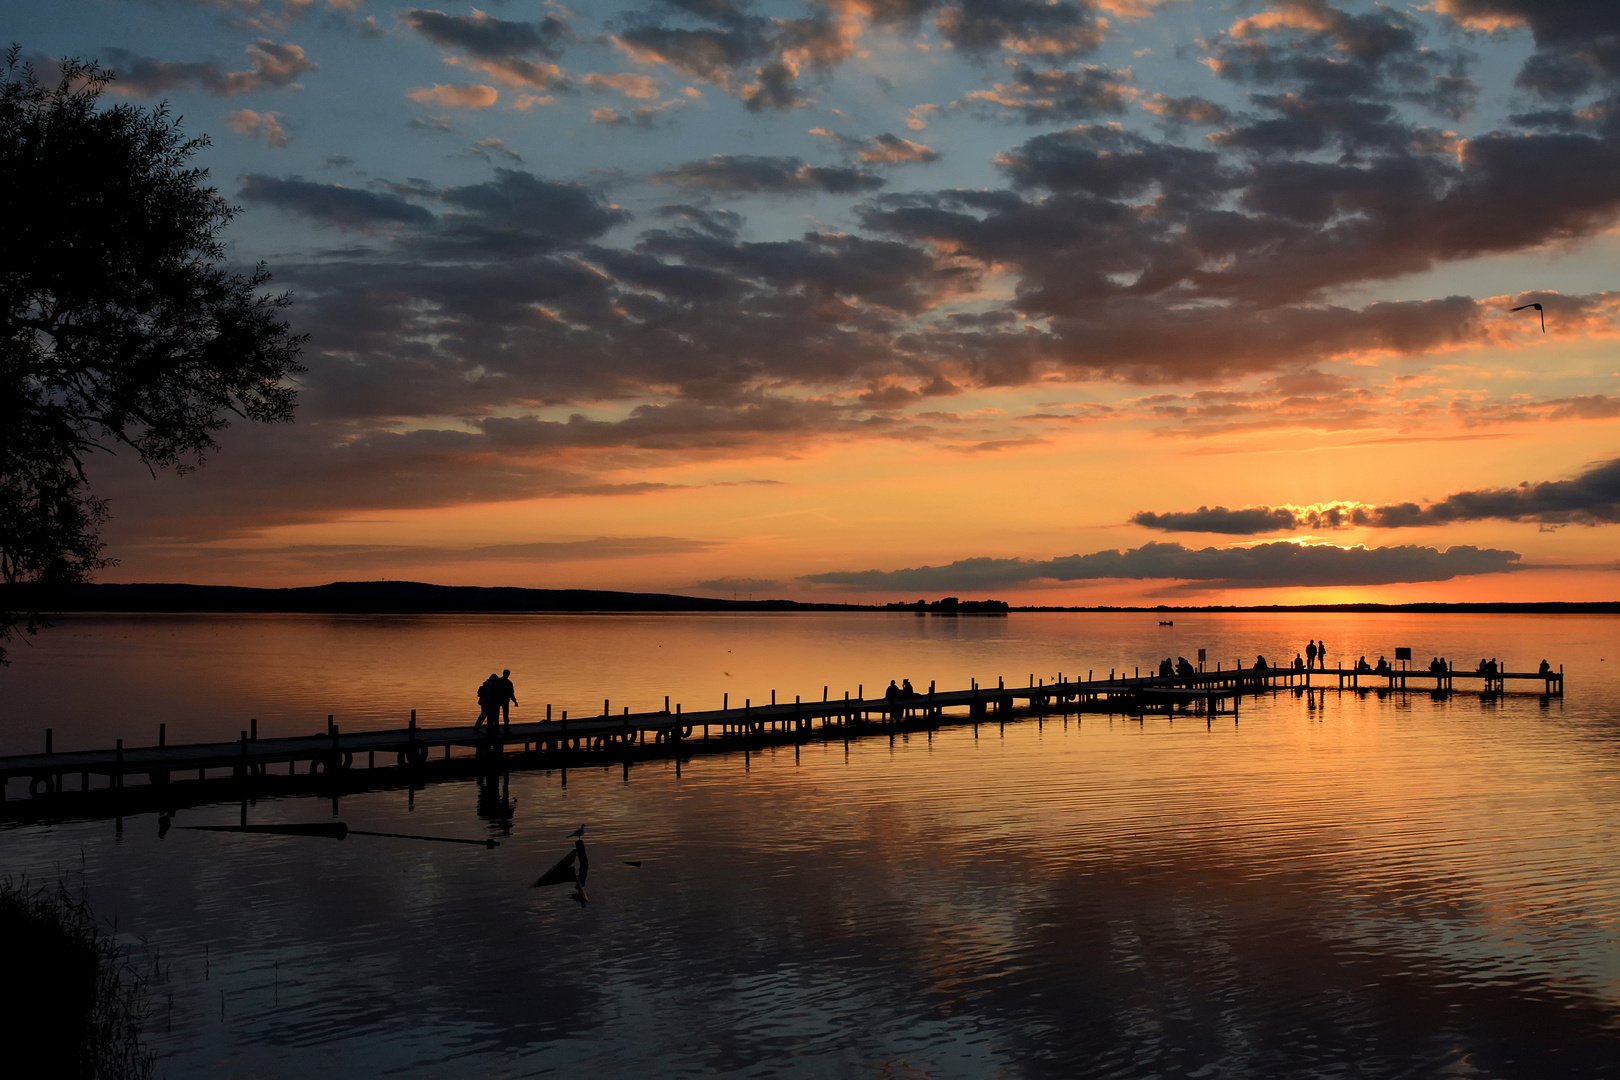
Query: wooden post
{"x": 48, "y": 738}
{"x": 118, "y": 769}
{"x": 163, "y": 734}
{"x": 548, "y": 712}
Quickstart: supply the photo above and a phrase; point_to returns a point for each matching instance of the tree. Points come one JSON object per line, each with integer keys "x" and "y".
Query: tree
{"x": 121, "y": 324}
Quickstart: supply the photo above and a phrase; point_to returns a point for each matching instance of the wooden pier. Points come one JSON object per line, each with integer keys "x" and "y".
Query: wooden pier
{"x": 151, "y": 774}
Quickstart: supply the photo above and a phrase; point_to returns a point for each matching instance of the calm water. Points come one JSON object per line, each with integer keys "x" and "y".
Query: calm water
{"x": 1336, "y": 886}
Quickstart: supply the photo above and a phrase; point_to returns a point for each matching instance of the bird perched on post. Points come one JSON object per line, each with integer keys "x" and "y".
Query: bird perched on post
{"x": 1539, "y": 309}
{"x": 579, "y": 831}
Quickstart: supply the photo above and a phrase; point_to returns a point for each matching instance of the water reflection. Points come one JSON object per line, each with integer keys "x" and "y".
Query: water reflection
{"x": 1356, "y": 884}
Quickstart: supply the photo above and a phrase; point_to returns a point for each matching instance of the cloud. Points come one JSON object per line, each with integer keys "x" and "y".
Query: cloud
{"x": 459, "y": 96}
{"x": 333, "y": 204}
{"x": 352, "y": 557}
{"x": 485, "y": 147}
{"x": 1188, "y": 110}
{"x": 1262, "y": 566}
{"x": 641, "y": 87}
{"x": 885, "y": 149}
{"x": 1247, "y": 522}
{"x": 1039, "y": 96}
{"x": 485, "y": 37}
{"x": 1062, "y": 28}
{"x": 1592, "y": 498}
{"x": 1577, "y": 44}
{"x": 252, "y": 124}
{"x": 271, "y": 67}
{"x": 741, "y": 173}
{"x": 741, "y": 585}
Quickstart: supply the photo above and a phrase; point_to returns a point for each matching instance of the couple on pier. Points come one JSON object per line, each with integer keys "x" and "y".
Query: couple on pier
{"x": 495, "y": 700}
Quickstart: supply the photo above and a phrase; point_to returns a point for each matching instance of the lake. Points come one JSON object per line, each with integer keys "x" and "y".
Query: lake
{"x": 1334, "y": 885}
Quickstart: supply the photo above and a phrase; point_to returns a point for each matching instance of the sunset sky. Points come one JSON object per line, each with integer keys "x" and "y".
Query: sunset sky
{"x": 1072, "y": 302}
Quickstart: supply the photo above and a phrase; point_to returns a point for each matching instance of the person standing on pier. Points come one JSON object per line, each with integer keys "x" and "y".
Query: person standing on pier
{"x": 488, "y": 708}
{"x": 1310, "y": 654}
{"x": 505, "y": 697}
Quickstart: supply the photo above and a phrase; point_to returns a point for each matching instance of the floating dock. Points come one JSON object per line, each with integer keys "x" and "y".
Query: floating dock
{"x": 152, "y": 773}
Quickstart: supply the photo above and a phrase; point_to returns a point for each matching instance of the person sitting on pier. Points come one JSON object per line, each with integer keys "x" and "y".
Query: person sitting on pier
{"x": 1166, "y": 668}
{"x": 1259, "y": 663}
{"x": 905, "y": 688}
{"x": 1483, "y": 668}
{"x": 1182, "y": 667}
{"x": 1299, "y": 662}
{"x": 1383, "y": 666}
{"x": 1362, "y": 665}
{"x": 1544, "y": 669}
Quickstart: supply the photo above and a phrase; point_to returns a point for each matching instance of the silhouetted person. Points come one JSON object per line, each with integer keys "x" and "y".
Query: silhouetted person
{"x": 1310, "y": 654}
{"x": 1259, "y": 663}
{"x": 1165, "y": 667}
{"x": 1545, "y": 668}
{"x": 1321, "y": 655}
{"x": 1183, "y": 667}
{"x": 505, "y": 696}
{"x": 1482, "y": 668}
{"x": 892, "y": 692}
{"x": 905, "y": 688}
{"x": 1299, "y": 662}
{"x": 488, "y": 708}
{"x": 1383, "y": 666}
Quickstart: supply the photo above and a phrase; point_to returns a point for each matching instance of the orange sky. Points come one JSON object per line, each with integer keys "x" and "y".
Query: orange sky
{"x": 590, "y": 306}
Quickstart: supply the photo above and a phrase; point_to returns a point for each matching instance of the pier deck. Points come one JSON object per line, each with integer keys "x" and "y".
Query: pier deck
{"x": 663, "y": 732}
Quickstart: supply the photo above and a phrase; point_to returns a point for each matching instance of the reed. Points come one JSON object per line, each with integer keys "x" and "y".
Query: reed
{"x": 72, "y": 1001}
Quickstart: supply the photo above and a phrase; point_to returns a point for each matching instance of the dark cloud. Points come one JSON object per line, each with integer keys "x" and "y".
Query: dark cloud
{"x": 1577, "y": 41}
{"x": 1247, "y": 522}
{"x": 742, "y": 173}
{"x": 520, "y": 213}
{"x": 333, "y": 204}
{"x": 270, "y": 67}
{"x": 1593, "y": 498}
{"x": 1060, "y": 28}
{"x": 765, "y": 61}
{"x": 1042, "y": 96}
{"x": 1262, "y": 566}
{"x": 487, "y": 37}
{"x": 1325, "y": 54}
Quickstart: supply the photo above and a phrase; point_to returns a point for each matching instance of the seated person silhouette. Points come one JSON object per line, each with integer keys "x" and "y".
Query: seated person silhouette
{"x": 1182, "y": 667}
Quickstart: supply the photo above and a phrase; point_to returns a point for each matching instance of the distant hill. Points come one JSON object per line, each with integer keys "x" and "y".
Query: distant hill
{"x": 397, "y": 597}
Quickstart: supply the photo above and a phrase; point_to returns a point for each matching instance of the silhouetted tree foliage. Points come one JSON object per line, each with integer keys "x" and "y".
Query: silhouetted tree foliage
{"x": 121, "y": 325}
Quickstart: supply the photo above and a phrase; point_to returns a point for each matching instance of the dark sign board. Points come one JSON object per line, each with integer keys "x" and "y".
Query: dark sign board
{"x": 1403, "y": 654}
{"x": 1200, "y": 656}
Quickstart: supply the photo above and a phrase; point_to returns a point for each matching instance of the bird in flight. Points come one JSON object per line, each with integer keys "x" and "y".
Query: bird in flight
{"x": 579, "y": 831}
{"x": 1539, "y": 309}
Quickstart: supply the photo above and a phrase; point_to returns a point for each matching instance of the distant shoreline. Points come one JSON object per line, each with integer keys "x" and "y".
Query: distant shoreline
{"x": 417, "y": 598}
